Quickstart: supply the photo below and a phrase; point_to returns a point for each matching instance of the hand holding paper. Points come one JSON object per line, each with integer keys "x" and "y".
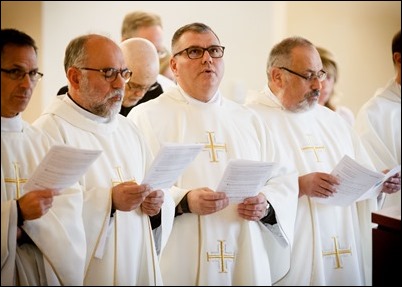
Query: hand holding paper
{"x": 244, "y": 178}
{"x": 357, "y": 182}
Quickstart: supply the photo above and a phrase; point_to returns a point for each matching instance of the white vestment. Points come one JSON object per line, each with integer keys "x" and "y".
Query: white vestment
{"x": 316, "y": 140}
{"x": 165, "y": 82}
{"x": 219, "y": 248}
{"x": 120, "y": 249}
{"x": 57, "y": 256}
{"x": 379, "y": 125}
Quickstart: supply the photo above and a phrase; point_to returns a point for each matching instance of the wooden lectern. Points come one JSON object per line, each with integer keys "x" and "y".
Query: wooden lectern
{"x": 387, "y": 246}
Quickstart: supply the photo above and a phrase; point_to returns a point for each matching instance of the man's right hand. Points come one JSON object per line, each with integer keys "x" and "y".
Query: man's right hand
{"x": 204, "y": 201}
{"x": 129, "y": 195}
{"x": 317, "y": 184}
{"x": 36, "y": 203}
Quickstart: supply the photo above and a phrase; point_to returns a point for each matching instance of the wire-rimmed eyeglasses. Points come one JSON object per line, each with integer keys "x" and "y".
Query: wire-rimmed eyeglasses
{"x": 110, "y": 74}
{"x": 133, "y": 87}
{"x": 320, "y": 75}
{"x": 18, "y": 74}
{"x": 196, "y": 52}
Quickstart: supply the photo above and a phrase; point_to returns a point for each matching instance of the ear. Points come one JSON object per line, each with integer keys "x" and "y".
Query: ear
{"x": 74, "y": 77}
{"x": 277, "y": 77}
{"x": 397, "y": 58}
{"x": 173, "y": 66}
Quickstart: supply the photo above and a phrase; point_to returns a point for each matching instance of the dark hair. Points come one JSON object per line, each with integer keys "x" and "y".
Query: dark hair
{"x": 396, "y": 43}
{"x": 15, "y": 37}
{"x": 193, "y": 27}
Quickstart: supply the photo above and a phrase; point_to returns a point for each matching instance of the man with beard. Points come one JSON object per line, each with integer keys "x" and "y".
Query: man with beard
{"x": 332, "y": 244}
{"x": 120, "y": 244}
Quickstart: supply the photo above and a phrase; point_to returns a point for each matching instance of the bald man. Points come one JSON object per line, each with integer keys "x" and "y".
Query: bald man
{"x": 142, "y": 59}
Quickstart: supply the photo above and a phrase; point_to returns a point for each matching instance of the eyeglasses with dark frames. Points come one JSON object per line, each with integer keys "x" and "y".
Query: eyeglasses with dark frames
{"x": 320, "y": 75}
{"x": 196, "y": 52}
{"x": 18, "y": 74}
{"x": 133, "y": 87}
{"x": 110, "y": 74}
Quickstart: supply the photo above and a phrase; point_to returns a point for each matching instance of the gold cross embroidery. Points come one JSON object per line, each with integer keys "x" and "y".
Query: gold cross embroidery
{"x": 221, "y": 256}
{"x": 313, "y": 147}
{"x": 17, "y": 180}
{"x": 337, "y": 252}
{"x": 214, "y": 147}
{"x": 120, "y": 175}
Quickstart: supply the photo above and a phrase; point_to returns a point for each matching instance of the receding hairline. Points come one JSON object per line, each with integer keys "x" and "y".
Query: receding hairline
{"x": 136, "y": 20}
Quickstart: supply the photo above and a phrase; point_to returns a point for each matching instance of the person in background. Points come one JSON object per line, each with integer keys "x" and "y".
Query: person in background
{"x": 328, "y": 95}
{"x": 214, "y": 242}
{"x": 142, "y": 59}
{"x": 117, "y": 207}
{"x": 332, "y": 244}
{"x": 378, "y": 122}
{"x": 42, "y": 234}
{"x": 164, "y": 69}
{"x": 148, "y": 25}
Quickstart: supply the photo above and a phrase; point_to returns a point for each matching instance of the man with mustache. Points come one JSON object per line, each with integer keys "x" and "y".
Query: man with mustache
{"x": 332, "y": 244}
{"x": 120, "y": 245}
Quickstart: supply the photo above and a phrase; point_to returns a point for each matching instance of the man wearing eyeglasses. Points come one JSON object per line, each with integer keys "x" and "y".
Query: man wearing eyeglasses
{"x": 120, "y": 245}
{"x": 148, "y": 25}
{"x": 332, "y": 243}
{"x": 42, "y": 235}
{"x": 142, "y": 59}
{"x": 215, "y": 242}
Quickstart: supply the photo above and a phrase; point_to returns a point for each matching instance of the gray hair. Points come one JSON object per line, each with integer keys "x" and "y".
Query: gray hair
{"x": 281, "y": 53}
{"x": 75, "y": 55}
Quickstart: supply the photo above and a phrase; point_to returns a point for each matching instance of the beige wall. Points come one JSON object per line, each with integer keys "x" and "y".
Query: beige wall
{"x": 27, "y": 16}
{"x": 358, "y": 33}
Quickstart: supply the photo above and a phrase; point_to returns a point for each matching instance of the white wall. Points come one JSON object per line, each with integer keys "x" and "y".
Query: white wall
{"x": 245, "y": 29}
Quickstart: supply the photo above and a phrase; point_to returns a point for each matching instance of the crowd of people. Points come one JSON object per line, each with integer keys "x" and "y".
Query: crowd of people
{"x": 109, "y": 228}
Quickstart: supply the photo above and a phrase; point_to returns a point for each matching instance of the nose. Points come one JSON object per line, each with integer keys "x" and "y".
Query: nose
{"x": 316, "y": 83}
{"x": 206, "y": 57}
{"x": 120, "y": 82}
{"x": 27, "y": 82}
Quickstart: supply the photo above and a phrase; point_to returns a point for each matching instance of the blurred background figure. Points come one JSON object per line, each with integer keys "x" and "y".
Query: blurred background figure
{"x": 142, "y": 59}
{"x": 378, "y": 122}
{"x": 148, "y": 25}
{"x": 164, "y": 68}
{"x": 328, "y": 95}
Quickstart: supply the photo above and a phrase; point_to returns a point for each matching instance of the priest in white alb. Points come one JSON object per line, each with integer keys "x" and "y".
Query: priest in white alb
{"x": 42, "y": 233}
{"x": 214, "y": 242}
{"x": 332, "y": 243}
{"x": 119, "y": 212}
{"x": 378, "y": 123}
